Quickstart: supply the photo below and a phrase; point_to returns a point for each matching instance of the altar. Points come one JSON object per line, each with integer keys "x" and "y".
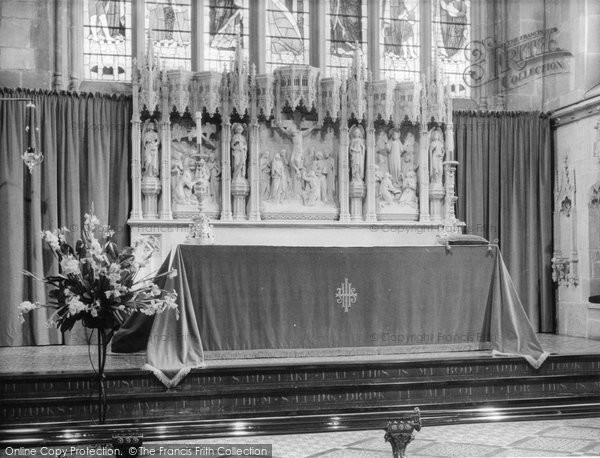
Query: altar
{"x": 265, "y": 301}
{"x": 331, "y": 202}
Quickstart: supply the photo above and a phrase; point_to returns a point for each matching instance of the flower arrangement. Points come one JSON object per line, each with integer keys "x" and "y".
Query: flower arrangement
{"x": 97, "y": 282}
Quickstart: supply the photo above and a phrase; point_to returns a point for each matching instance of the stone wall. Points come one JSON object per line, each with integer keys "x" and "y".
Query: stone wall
{"x": 26, "y": 43}
{"x": 575, "y": 103}
{"x": 577, "y": 236}
{"x": 578, "y": 24}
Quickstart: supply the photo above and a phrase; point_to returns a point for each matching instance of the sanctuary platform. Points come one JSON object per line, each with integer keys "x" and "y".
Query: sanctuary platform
{"x": 48, "y": 393}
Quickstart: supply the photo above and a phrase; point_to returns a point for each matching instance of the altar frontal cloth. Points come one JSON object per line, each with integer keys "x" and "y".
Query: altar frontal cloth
{"x": 280, "y": 301}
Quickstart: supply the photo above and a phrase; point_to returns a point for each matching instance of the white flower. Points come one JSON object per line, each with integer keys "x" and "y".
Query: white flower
{"x": 170, "y": 299}
{"x": 95, "y": 247}
{"x": 26, "y": 307}
{"x": 115, "y": 293}
{"x": 114, "y": 274}
{"x": 172, "y": 274}
{"x": 50, "y": 323}
{"x": 51, "y": 239}
{"x": 107, "y": 233}
{"x": 61, "y": 234}
{"x": 70, "y": 265}
{"x": 91, "y": 221}
{"x": 75, "y": 305}
{"x": 155, "y": 291}
{"x": 150, "y": 308}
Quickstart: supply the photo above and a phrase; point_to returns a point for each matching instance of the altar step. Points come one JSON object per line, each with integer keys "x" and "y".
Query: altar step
{"x": 303, "y": 390}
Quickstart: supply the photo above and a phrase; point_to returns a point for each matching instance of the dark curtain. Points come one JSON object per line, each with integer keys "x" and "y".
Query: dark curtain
{"x": 504, "y": 187}
{"x": 85, "y": 139}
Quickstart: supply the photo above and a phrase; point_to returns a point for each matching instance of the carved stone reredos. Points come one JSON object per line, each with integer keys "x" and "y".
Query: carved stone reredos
{"x": 206, "y": 92}
{"x": 238, "y": 88}
{"x": 147, "y": 77}
{"x": 179, "y": 89}
{"x": 297, "y": 85}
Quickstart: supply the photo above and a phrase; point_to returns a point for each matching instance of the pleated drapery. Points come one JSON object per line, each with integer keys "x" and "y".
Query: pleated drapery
{"x": 504, "y": 187}
{"x": 85, "y": 139}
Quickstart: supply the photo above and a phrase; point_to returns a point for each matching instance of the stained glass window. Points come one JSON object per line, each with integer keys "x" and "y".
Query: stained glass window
{"x": 224, "y": 21}
{"x": 451, "y": 33}
{"x": 347, "y": 20}
{"x": 399, "y": 40}
{"x": 287, "y": 32}
{"x": 170, "y": 24}
{"x": 107, "y": 40}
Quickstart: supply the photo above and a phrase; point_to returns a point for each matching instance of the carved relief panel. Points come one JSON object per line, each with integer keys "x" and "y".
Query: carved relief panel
{"x": 298, "y": 171}
{"x": 396, "y": 166}
{"x": 193, "y": 168}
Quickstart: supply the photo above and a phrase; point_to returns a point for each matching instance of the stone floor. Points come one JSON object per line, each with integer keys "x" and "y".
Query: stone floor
{"x": 575, "y": 437}
{"x": 58, "y": 358}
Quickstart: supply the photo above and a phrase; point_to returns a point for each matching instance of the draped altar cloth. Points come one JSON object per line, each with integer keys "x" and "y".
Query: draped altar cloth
{"x": 272, "y": 300}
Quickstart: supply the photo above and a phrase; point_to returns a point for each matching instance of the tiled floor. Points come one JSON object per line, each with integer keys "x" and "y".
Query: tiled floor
{"x": 580, "y": 437}
{"x": 76, "y": 358}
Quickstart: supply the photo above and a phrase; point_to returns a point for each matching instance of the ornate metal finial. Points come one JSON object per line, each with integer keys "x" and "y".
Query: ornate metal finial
{"x": 399, "y": 433}
{"x": 201, "y": 231}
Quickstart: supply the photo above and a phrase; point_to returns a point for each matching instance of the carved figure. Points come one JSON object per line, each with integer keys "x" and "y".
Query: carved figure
{"x": 387, "y": 190}
{"x": 215, "y": 172}
{"x": 184, "y": 183}
{"x": 265, "y": 175}
{"x": 297, "y": 167}
{"x": 331, "y": 173}
{"x": 436, "y": 154}
{"x": 357, "y": 154}
{"x": 409, "y": 190}
{"x": 202, "y": 180}
{"x": 151, "y": 142}
{"x": 312, "y": 193}
{"x": 381, "y": 148}
{"x": 408, "y": 155}
{"x": 297, "y": 135}
{"x": 320, "y": 169}
{"x": 395, "y": 148}
{"x": 278, "y": 178}
{"x": 239, "y": 151}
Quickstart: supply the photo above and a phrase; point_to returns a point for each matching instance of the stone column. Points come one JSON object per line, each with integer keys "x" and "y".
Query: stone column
{"x": 424, "y": 174}
{"x": 226, "y": 170}
{"x": 138, "y": 31}
{"x": 61, "y": 45}
{"x": 254, "y": 174}
{"x": 136, "y": 163}
{"x": 371, "y": 204}
{"x": 374, "y": 31}
{"x": 76, "y": 44}
{"x": 240, "y": 190}
{"x": 343, "y": 168}
{"x": 357, "y": 193}
{"x": 201, "y": 190}
{"x": 165, "y": 167}
{"x": 198, "y": 11}
{"x": 318, "y": 42}
{"x": 257, "y": 36}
